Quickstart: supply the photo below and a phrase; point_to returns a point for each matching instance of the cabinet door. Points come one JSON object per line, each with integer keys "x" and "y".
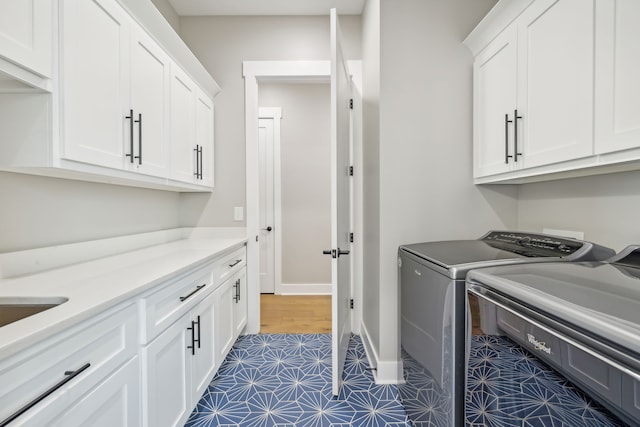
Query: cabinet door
{"x": 183, "y": 138}
{"x": 95, "y": 62}
{"x": 555, "y": 81}
{"x": 205, "y": 361}
{"x": 240, "y": 305}
{"x": 225, "y": 315}
{"x": 204, "y": 136}
{"x": 166, "y": 377}
{"x": 114, "y": 402}
{"x": 617, "y": 123}
{"x": 26, "y": 34}
{"x": 494, "y": 105}
{"x": 150, "y": 74}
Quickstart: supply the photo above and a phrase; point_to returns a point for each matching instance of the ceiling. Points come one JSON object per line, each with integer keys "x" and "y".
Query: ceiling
{"x": 265, "y": 7}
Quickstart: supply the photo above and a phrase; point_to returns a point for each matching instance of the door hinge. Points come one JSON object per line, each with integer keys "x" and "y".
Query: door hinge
{"x": 351, "y": 104}
{"x": 350, "y": 170}
{"x": 351, "y": 303}
{"x": 350, "y": 237}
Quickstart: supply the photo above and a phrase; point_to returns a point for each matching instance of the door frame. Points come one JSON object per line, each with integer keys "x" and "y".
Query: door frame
{"x": 290, "y": 72}
{"x": 275, "y": 114}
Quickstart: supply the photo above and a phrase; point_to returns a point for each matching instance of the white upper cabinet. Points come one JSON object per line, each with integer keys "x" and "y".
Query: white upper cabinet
{"x": 95, "y": 62}
{"x": 128, "y": 104}
{"x": 576, "y": 103}
{"x": 115, "y": 79}
{"x": 617, "y": 81}
{"x": 26, "y": 34}
{"x": 555, "y": 81}
{"x": 533, "y": 88}
{"x": 191, "y": 131}
{"x": 150, "y": 74}
{"x": 494, "y": 74}
{"x": 183, "y": 127}
{"x": 204, "y": 138}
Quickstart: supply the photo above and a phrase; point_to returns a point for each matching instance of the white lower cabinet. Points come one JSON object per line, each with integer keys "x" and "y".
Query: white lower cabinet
{"x": 115, "y": 402}
{"x": 232, "y": 312}
{"x": 225, "y": 330}
{"x": 166, "y": 377}
{"x": 66, "y": 379}
{"x": 205, "y": 362}
{"x": 144, "y": 362}
{"x": 180, "y": 361}
{"x": 240, "y": 303}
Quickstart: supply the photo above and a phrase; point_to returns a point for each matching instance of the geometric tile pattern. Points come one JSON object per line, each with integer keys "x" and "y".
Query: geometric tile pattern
{"x": 423, "y": 399}
{"x": 506, "y": 386}
{"x": 284, "y": 380}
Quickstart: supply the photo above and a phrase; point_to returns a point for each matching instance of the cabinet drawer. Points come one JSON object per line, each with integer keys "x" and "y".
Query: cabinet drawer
{"x": 107, "y": 343}
{"x": 229, "y": 265}
{"x": 164, "y": 306}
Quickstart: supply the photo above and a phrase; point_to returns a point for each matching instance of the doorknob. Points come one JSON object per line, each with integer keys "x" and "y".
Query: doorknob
{"x": 331, "y": 252}
{"x": 268, "y": 228}
{"x": 335, "y": 253}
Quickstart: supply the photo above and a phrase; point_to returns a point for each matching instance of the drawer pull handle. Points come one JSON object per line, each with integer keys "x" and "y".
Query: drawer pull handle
{"x": 238, "y": 261}
{"x": 69, "y": 375}
{"x": 198, "y": 288}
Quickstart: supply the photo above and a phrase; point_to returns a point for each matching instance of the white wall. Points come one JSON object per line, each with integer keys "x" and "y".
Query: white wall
{"x": 221, "y": 44}
{"x": 39, "y": 211}
{"x": 371, "y": 173}
{"x": 605, "y": 207}
{"x": 306, "y": 179}
{"x": 425, "y": 148}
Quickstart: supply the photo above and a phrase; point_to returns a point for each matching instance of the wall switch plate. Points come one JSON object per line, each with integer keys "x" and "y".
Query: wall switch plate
{"x": 238, "y": 213}
{"x": 578, "y": 235}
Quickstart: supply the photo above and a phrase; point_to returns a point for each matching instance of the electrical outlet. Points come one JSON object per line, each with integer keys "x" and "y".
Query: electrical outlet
{"x": 578, "y": 235}
{"x": 238, "y": 213}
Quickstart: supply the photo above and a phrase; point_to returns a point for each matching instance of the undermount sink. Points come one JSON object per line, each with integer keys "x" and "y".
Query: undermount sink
{"x": 13, "y": 309}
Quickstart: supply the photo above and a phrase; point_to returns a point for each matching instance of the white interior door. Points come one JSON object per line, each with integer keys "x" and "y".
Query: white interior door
{"x": 266, "y": 196}
{"x": 340, "y": 205}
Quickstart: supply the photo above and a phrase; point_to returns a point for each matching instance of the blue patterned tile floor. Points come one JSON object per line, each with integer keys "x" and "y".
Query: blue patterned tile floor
{"x": 283, "y": 380}
{"x": 506, "y": 387}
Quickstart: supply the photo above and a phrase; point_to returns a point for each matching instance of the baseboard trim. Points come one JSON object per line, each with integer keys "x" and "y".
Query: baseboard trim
{"x": 304, "y": 289}
{"x": 384, "y": 372}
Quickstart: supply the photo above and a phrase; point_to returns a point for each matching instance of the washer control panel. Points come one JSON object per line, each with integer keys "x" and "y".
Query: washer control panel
{"x": 532, "y": 244}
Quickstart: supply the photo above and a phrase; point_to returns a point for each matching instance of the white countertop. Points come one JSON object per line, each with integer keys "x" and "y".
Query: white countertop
{"x": 94, "y": 285}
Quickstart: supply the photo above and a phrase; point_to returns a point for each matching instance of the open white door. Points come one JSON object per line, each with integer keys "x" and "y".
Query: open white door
{"x": 340, "y": 205}
{"x": 266, "y": 194}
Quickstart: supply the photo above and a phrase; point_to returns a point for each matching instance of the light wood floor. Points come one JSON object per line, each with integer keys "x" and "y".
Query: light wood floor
{"x": 295, "y": 314}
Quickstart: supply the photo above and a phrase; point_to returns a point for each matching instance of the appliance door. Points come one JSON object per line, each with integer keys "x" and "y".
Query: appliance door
{"x": 522, "y": 367}
{"x": 432, "y": 310}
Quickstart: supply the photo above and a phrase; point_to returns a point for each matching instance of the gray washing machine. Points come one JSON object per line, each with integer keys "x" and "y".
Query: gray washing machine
{"x": 433, "y": 310}
{"x": 581, "y": 319}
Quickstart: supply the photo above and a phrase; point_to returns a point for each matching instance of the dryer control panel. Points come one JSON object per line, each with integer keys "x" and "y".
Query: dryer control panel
{"x": 533, "y": 245}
